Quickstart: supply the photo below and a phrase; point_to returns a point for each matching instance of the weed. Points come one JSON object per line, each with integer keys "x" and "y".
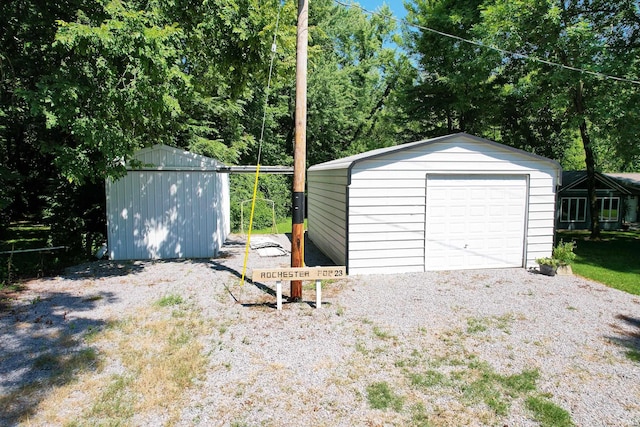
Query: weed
{"x": 380, "y": 396}
{"x": 93, "y": 298}
{"x": 475, "y": 325}
{"x": 547, "y": 413}
{"x": 380, "y": 333}
{"x": 361, "y": 347}
{"x": 35, "y": 300}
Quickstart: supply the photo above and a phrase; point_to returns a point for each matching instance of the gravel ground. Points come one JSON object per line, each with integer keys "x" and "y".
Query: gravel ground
{"x": 312, "y": 367}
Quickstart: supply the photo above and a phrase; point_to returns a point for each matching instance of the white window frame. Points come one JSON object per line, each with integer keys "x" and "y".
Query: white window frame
{"x": 601, "y": 212}
{"x": 573, "y": 214}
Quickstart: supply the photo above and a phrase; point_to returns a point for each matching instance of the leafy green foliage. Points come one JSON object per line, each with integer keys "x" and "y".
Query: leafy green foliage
{"x": 563, "y": 252}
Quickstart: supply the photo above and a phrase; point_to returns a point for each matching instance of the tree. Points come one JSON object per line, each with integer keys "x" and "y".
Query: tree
{"x": 593, "y": 36}
{"x": 455, "y": 89}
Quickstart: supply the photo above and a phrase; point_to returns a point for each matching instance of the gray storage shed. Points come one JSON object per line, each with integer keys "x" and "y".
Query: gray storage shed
{"x": 175, "y": 206}
{"x": 447, "y": 203}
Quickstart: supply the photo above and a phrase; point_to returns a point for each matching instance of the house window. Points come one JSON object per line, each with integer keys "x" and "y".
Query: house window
{"x": 574, "y": 209}
{"x": 609, "y": 207}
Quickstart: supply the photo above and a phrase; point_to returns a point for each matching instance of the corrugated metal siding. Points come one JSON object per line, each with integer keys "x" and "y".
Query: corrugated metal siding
{"x": 167, "y": 214}
{"x": 326, "y": 213}
{"x": 387, "y": 200}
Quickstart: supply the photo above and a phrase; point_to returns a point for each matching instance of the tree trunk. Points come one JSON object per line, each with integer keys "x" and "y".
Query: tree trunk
{"x": 594, "y": 209}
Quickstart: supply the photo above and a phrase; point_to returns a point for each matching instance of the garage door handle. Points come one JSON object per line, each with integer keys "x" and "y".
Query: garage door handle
{"x": 465, "y": 246}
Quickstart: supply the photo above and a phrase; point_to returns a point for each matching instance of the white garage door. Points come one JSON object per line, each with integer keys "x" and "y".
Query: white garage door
{"x": 475, "y": 221}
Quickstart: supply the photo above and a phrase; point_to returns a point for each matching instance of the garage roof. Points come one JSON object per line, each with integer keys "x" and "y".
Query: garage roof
{"x": 349, "y": 162}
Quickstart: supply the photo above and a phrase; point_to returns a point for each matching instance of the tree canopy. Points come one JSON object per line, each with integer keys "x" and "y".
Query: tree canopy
{"x": 85, "y": 83}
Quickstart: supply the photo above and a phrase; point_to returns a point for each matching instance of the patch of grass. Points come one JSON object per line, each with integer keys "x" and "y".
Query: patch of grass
{"x": 381, "y": 333}
{"x": 475, "y": 325}
{"x": 283, "y": 226}
{"x": 380, "y": 396}
{"x": 158, "y": 356}
{"x": 633, "y": 355}
{"x": 481, "y": 324}
{"x": 428, "y": 379}
{"x": 47, "y": 361}
{"x": 520, "y": 383}
{"x": 547, "y": 413}
{"x": 612, "y": 261}
{"x": 473, "y": 381}
{"x": 169, "y": 300}
{"x": 419, "y": 416}
{"x": 115, "y": 404}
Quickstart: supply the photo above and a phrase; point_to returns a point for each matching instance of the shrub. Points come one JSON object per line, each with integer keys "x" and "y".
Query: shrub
{"x": 563, "y": 253}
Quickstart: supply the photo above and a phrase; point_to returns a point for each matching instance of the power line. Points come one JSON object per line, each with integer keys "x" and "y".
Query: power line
{"x": 494, "y": 48}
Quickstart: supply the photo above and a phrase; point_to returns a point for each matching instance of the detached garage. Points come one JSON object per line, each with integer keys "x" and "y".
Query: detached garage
{"x": 175, "y": 206}
{"x": 447, "y": 203}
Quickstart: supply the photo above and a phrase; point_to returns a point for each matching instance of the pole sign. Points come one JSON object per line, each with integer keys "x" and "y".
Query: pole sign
{"x": 298, "y": 273}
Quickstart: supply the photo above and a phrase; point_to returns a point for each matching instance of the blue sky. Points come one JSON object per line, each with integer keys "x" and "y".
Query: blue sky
{"x": 397, "y": 6}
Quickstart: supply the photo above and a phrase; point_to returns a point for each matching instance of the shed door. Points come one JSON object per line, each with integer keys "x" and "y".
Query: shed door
{"x": 475, "y": 221}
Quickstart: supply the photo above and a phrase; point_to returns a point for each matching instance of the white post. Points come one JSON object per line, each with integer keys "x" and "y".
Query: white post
{"x": 318, "y": 293}
{"x": 279, "y": 295}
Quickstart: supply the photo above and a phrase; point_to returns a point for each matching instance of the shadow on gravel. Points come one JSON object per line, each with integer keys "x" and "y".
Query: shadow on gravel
{"x": 42, "y": 349}
{"x": 102, "y": 269}
{"x": 628, "y": 337}
{"x": 313, "y": 257}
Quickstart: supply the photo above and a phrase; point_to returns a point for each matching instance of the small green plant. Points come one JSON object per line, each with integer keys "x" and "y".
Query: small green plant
{"x": 552, "y": 262}
{"x": 563, "y": 253}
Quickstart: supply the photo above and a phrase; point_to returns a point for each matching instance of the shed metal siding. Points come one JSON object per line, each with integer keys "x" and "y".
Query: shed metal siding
{"x": 163, "y": 214}
{"x": 327, "y": 195}
{"x": 386, "y": 205}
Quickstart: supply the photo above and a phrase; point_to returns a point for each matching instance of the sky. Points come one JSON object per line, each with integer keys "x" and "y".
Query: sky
{"x": 397, "y": 6}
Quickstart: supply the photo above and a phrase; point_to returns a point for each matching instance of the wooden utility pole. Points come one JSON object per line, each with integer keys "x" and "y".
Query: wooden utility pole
{"x": 300, "y": 149}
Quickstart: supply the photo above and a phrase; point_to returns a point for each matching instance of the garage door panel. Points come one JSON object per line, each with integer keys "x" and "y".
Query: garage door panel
{"x": 475, "y": 221}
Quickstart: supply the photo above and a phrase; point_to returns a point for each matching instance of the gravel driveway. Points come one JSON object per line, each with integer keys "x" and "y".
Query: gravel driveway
{"x": 426, "y": 340}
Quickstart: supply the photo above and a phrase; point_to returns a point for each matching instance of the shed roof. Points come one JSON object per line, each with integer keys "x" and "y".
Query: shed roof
{"x": 349, "y": 162}
{"x": 164, "y": 157}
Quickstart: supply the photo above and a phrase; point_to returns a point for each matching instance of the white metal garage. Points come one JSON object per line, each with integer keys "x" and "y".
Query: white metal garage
{"x": 454, "y": 202}
{"x": 175, "y": 206}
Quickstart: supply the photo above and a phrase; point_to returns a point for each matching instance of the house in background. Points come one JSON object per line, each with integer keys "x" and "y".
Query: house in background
{"x": 448, "y": 203}
{"x": 175, "y": 206}
{"x": 617, "y": 195}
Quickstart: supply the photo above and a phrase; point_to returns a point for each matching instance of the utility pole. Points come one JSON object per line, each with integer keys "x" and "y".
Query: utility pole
{"x": 300, "y": 149}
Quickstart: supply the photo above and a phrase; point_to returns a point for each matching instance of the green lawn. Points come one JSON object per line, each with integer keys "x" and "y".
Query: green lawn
{"x": 282, "y": 227}
{"x": 614, "y": 260}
